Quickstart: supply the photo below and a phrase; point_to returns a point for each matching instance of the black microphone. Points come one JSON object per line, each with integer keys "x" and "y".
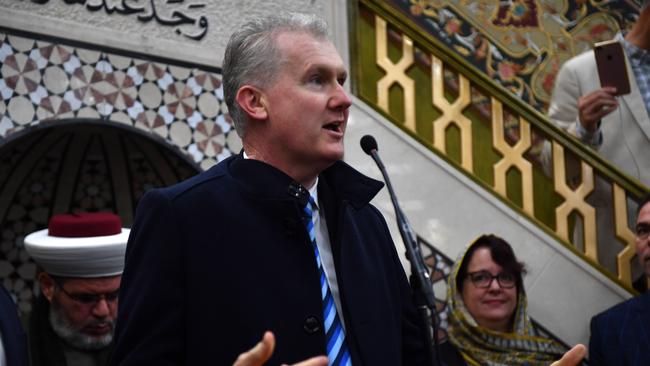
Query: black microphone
{"x": 368, "y": 143}
{"x": 420, "y": 279}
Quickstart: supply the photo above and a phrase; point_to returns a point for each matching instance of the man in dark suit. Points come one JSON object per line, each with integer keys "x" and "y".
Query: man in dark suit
{"x": 13, "y": 348}
{"x": 281, "y": 237}
{"x": 621, "y": 335}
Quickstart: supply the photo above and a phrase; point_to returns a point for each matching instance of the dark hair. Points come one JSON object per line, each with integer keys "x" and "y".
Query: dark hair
{"x": 502, "y": 254}
{"x": 642, "y": 202}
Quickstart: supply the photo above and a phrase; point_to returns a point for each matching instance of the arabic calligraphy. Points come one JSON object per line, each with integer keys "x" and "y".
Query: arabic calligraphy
{"x": 190, "y": 26}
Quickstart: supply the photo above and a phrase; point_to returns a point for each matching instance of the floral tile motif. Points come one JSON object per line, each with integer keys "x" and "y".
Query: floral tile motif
{"x": 55, "y": 54}
{"x": 20, "y": 73}
{"x": 46, "y": 80}
{"x": 520, "y": 44}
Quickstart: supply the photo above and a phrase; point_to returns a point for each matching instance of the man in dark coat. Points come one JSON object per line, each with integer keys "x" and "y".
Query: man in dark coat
{"x": 620, "y": 336}
{"x": 13, "y": 347}
{"x": 280, "y": 238}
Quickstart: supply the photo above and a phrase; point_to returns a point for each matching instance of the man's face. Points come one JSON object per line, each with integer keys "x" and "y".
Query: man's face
{"x": 643, "y": 238}
{"x": 83, "y": 311}
{"x": 307, "y": 106}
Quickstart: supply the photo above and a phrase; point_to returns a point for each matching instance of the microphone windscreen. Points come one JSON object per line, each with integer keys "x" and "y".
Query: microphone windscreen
{"x": 368, "y": 143}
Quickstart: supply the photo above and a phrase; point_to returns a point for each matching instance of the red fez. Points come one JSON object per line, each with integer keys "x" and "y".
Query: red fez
{"x": 83, "y": 225}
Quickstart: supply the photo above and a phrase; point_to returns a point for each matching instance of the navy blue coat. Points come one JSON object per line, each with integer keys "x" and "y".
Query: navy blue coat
{"x": 216, "y": 260}
{"x": 620, "y": 336}
{"x": 14, "y": 339}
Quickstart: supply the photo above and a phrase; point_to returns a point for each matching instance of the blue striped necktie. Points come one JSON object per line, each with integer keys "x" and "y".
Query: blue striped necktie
{"x": 337, "y": 350}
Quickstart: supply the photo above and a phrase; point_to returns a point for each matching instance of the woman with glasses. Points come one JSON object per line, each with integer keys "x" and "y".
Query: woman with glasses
{"x": 488, "y": 321}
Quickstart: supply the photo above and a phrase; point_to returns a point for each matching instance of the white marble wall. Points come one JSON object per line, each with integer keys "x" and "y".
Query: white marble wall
{"x": 125, "y": 31}
{"x": 449, "y": 210}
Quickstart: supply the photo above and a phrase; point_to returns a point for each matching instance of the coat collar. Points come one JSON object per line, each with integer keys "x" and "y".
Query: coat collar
{"x": 267, "y": 182}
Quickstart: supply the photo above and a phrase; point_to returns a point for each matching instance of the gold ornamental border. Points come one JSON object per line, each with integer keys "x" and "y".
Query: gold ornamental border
{"x": 452, "y": 114}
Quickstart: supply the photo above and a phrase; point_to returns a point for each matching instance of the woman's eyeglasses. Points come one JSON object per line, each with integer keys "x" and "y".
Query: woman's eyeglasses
{"x": 483, "y": 279}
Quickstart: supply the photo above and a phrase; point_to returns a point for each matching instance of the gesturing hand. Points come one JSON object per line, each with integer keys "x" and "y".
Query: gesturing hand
{"x": 572, "y": 357}
{"x": 263, "y": 350}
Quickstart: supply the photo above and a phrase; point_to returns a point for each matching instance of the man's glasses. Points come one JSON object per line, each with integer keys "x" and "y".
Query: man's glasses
{"x": 89, "y": 299}
{"x": 483, "y": 279}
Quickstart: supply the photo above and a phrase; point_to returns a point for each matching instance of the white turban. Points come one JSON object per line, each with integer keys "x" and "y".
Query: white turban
{"x": 86, "y": 245}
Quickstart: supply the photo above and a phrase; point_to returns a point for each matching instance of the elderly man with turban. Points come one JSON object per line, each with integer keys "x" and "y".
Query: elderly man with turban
{"x": 82, "y": 258}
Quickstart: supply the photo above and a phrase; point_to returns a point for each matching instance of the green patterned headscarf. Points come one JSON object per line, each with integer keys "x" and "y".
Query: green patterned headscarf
{"x": 481, "y": 346}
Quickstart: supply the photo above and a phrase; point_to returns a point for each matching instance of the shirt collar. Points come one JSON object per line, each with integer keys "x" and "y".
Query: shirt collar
{"x": 635, "y": 54}
{"x": 313, "y": 191}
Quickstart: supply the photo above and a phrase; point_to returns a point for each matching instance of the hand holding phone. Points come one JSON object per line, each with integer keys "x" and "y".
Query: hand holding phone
{"x": 612, "y": 66}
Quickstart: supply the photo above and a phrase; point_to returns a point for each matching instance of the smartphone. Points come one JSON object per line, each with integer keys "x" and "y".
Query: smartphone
{"x": 612, "y": 66}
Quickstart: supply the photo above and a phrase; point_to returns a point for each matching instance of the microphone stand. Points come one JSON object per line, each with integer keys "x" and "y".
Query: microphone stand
{"x": 420, "y": 279}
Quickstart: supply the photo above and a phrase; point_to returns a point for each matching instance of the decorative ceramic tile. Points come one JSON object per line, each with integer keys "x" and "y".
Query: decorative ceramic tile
{"x": 233, "y": 142}
{"x": 179, "y": 73}
{"x": 150, "y": 121}
{"x": 194, "y": 119}
{"x": 20, "y": 73}
{"x": 104, "y": 67}
{"x": 56, "y": 80}
{"x": 125, "y": 92}
{"x": 207, "y": 81}
{"x": 135, "y": 110}
{"x": 209, "y": 105}
{"x": 5, "y": 50}
{"x": 195, "y": 153}
{"x": 88, "y": 56}
{"x": 21, "y": 110}
{"x": 180, "y": 133}
{"x": 37, "y": 95}
{"x": 72, "y": 64}
{"x": 57, "y": 54}
{"x": 225, "y": 122}
{"x": 209, "y": 138}
{"x": 150, "y": 95}
{"x": 208, "y": 163}
{"x": 119, "y": 62}
{"x": 54, "y": 106}
{"x": 179, "y": 100}
{"x": 120, "y": 117}
{"x": 164, "y": 81}
{"x": 5, "y": 91}
{"x": 35, "y": 55}
{"x": 88, "y": 112}
{"x": 20, "y": 44}
{"x": 150, "y": 71}
{"x": 80, "y": 82}
{"x": 73, "y": 101}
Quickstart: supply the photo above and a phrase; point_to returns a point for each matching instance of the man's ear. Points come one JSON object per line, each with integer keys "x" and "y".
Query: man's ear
{"x": 251, "y": 100}
{"x": 47, "y": 285}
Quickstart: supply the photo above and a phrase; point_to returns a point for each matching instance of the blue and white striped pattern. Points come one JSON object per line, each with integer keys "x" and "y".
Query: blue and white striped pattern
{"x": 337, "y": 351}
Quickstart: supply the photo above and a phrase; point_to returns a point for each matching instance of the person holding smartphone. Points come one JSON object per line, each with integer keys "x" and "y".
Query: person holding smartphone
{"x": 600, "y": 114}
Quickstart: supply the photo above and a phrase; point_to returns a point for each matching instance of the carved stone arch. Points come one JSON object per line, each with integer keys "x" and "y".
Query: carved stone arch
{"x": 75, "y": 165}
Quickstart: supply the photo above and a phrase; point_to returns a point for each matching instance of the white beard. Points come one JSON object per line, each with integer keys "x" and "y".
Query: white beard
{"x": 73, "y": 337}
